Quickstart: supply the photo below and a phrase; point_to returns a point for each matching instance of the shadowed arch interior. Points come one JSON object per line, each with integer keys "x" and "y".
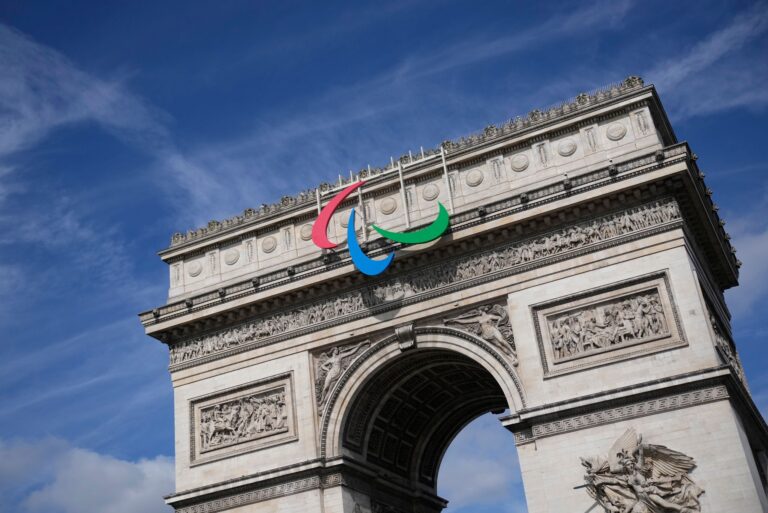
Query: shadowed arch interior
{"x": 406, "y": 415}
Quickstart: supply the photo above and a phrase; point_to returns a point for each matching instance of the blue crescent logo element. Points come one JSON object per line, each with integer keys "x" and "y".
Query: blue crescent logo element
{"x": 364, "y": 264}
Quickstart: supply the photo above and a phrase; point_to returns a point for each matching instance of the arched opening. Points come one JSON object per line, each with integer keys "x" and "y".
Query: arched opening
{"x": 404, "y": 416}
{"x": 480, "y": 472}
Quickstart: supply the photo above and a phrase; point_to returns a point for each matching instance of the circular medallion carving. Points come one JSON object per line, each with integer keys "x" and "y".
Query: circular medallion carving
{"x": 387, "y": 206}
{"x": 430, "y": 192}
{"x": 566, "y": 148}
{"x": 519, "y": 162}
{"x": 344, "y": 220}
{"x": 306, "y": 232}
{"x": 194, "y": 269}
{"x": 269, "y": 244}
{"x": 474, "y": 178}
{"x": 615, "y": 131}
{"x": 231, "y": 256}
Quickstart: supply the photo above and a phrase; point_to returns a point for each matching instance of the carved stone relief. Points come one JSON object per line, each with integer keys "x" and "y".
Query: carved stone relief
{"x": 212, "y": 259}
{"x": 246, "y": 418}
{"x": 243, "y": 419}
{"x": 491, "y": 323}
{"x": 306, "y": 232}
{"x": 609, "y": 324}
{"x": 641, "y": 477}
{"x": 589, "y": 135}
{"x": 519, "y": 162}
{"x": 269, "y": 244}
{"x": 566, "y": 148}
{"x": 194, "y": 268}
{"x": 430, "y": 192}
{"x": 616, "y": 131}
{"x": 447, "y": 273}
{"x": 176, "y": 273}
{"x": 388, "y": 206}
{"x": 231, "y": 256}
{"x": 541, "y": 154}
{"x": 474, "y": 178}
{"x": 631, "y": 318}
{"x": 330, "y": 365}
{"x": 642, "y": 122}
{"x": 726, "y": 349}
{"x": 497, "y": 169}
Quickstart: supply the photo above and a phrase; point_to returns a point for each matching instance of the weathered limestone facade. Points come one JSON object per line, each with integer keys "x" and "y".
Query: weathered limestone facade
{"x": 578, "y": 294}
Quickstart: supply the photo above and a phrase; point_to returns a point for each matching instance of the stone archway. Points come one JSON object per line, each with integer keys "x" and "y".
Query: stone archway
{"x": 597, "y": 264}
{"x": 397, "y": 408}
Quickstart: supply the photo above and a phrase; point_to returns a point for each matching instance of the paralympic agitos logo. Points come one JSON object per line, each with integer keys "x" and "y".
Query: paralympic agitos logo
{"x": 366, "y": 265}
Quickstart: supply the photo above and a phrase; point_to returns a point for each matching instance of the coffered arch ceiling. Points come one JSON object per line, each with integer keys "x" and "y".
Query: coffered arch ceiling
{"x": 405, "y": 416}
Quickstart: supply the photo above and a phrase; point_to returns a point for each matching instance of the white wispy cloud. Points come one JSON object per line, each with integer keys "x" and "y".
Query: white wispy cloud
{"x": 712, "y": 76}
{"x": 51, "y": 475}
{"x": 41, "y": 90}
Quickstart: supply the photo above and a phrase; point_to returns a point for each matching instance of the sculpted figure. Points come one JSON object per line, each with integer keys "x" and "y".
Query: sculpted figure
{"x": 490, "y": 322}
{"x": 598, "y": 327}
{"x": 642, "y": 478}
{"x": 330, "y": 367}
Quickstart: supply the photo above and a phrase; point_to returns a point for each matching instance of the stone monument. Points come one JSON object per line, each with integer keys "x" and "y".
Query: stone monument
{"x": 577, "y": 294}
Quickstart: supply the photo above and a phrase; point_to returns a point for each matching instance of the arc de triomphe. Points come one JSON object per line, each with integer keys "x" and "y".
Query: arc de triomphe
{"x": 578, "y": 294}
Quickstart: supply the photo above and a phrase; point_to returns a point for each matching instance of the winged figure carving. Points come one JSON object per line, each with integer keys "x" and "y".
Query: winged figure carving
{"x": 491, "y": 323}
{"x": 642, "y": 478}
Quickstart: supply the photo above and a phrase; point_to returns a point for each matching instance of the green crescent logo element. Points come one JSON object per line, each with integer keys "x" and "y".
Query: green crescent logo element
{"x": 426, "y": 234}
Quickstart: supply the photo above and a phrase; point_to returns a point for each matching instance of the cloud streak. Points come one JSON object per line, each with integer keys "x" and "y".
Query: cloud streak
{"x": 51, "y": 475}
{"x": 714, "y": 78}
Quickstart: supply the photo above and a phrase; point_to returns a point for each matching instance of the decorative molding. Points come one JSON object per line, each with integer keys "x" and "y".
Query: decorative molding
{"x": 264, "y": 494}
{"x": 243, "y": 419}
{"x": 612, "y": 323}
{"x": 455, "y": 274}
{"x": 621, "y": 413}
{"x": 637, "y": 476}
{"x": 406, "y": 337}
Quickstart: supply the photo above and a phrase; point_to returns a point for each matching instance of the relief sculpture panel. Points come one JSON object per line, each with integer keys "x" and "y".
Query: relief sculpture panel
{"x": 609, "y": 324}
{"x": 622, "y": 321}
{"x": 247, "y": 418}
{"x": 638, "y": 477}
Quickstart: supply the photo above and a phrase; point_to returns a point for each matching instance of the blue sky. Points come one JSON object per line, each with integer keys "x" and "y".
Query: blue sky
{"x": 122, "y": 124}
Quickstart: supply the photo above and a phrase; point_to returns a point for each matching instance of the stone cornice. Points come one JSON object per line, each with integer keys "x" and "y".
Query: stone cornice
{"x": 492, "y": 134}
{"x": 700, "y": 214}
{"x": 637, "y": 400}
{"x": 532, "y": 198}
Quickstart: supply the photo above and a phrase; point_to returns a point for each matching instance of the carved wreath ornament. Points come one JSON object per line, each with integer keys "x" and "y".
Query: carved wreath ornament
{"x": 642, "y": 478}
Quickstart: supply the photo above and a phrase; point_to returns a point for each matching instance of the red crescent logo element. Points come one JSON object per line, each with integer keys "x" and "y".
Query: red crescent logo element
{"x": 320, "y": 228}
